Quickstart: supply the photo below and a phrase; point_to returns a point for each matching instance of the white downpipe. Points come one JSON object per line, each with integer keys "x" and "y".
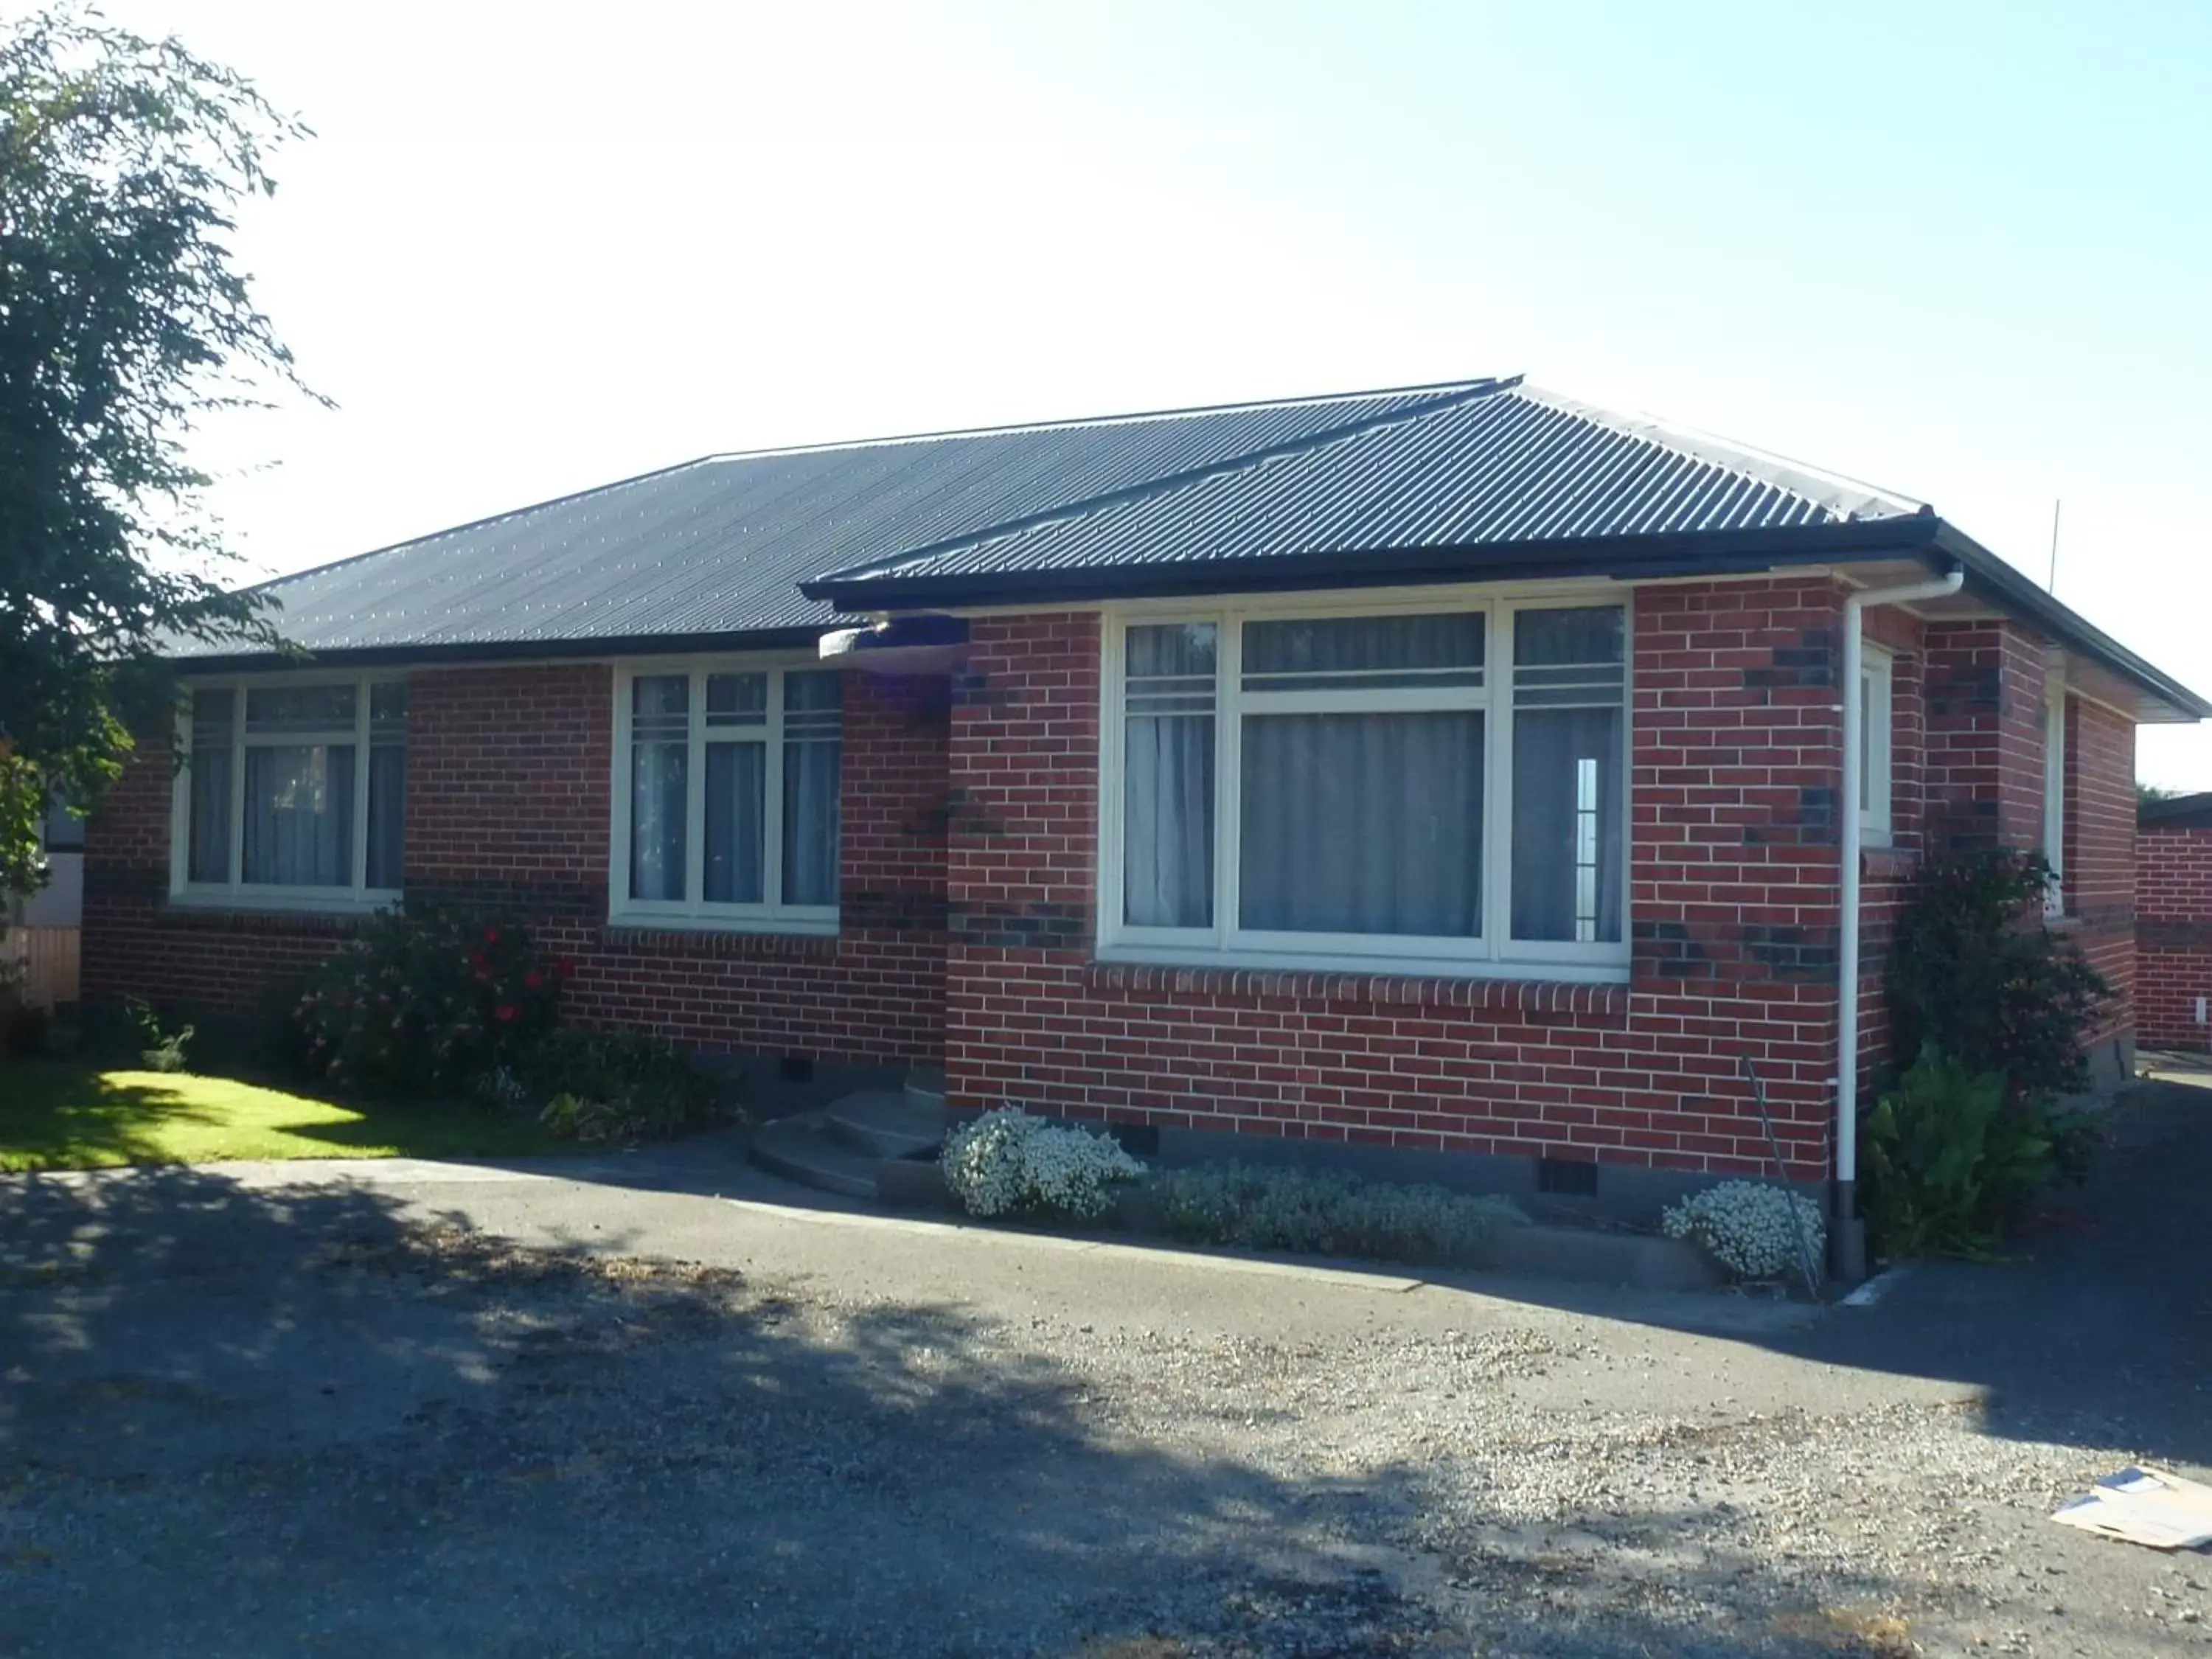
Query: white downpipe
{"x": 1847, "y": 1038}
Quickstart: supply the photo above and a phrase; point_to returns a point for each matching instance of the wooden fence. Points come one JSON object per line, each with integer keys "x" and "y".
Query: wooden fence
{"x": 49, "y": 956}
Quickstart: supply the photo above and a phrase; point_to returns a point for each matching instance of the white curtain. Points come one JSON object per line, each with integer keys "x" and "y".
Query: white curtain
{"x": 1567, "y": 824}
{"x": 1362, "y": 823}
{"x": 809, "y": 821}
{"x": 657, "y": 782}
{"x": 1167, "y": 876}
{"x": 298, "y": 815}
{"x": 737, "y": 822}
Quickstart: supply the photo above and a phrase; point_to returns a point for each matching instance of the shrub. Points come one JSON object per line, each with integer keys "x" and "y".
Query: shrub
{"x": 1750, "y": 1229}
{"x": 1325, "y": 1214}
{"x": 605, "y": 1086}
{"x": 424, "y": 999}
{"x": 1974, "y": 974}
{"x": 164, "y": 1051}
{"x": 1007, "y": 1162}
{"x": 1950, "y": 1162}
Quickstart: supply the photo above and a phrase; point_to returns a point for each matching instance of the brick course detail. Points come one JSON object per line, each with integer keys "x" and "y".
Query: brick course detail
{"x": 2173, "y": 928}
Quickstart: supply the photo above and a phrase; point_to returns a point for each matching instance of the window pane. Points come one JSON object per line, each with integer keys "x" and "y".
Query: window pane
{"x": 737, "y": 819}
{"x": 298, "y": 815}
{"x": 281, "y": 709}
{"x": 813, "y": 702}
{"x": 810, "y": 817}
{"x": 387, "y": 709}
{"x": 387, "y": 814}
{"x": 1364, "y": 653}
{"x": 737, "y": 700}
{"x": 1362, "y": 823}
{"x": 1167, "y": 855}
{"x": 1569, "y": 657}
{"x": 208, "y": 855}
{"x": 1568, "y": 821}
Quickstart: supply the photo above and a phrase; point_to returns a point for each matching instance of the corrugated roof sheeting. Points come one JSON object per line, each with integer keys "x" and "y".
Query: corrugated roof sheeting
{"x": 721, "y": 546}
{"x": 1517, "y": 466}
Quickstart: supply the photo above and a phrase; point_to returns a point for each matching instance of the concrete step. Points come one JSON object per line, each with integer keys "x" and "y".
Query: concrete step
{"x": 803, "y": 1149}
{"x": 885, "y": 1123}
{"x": 924, "y": 1086}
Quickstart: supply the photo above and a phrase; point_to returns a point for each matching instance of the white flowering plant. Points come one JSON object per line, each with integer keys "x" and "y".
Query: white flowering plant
{"x": 1751, "y": 1230}
{"x": 1007, "y": 1162}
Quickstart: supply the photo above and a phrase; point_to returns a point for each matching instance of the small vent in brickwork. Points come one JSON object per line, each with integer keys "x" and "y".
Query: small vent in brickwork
{"x": 1566, "y": 1178}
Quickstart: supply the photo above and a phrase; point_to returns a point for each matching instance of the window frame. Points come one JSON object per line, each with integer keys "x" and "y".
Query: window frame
{"x": 235, "y": 891}
{"x": 699, "y": 915}
{"x": 1878, "y": 725}
{"x": 1493, "y": 953}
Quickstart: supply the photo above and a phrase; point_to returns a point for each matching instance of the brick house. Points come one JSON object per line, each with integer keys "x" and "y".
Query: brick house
{"x": 1452, "y": 777}
{"x": 2173, "y": 923}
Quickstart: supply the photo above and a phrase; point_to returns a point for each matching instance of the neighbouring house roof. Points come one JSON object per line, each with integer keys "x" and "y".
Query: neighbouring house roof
{"x": 2177, "y": 812}
{"x": 1474, "y": 479}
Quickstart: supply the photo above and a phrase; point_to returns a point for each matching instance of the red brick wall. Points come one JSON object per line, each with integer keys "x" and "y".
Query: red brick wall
{"x": 2098, "y": 857}
{"x": 1734, "y": 919}
{"x": 2173, "y": 929}
{"x": 1984, "y": 780}
{"x": 1886, "y": 872}
{"x": 509, "y": 773}
{"x": 134, "y": 944}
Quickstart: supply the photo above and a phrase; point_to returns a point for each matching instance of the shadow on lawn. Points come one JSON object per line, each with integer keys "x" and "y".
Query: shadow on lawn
{"x": 295, "y": 1411}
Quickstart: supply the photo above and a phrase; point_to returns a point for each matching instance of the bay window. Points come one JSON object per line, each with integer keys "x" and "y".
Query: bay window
{"x": 293, "y": 792}
{"x": 1369, "y": 787}
{"x": 726, "y": 795}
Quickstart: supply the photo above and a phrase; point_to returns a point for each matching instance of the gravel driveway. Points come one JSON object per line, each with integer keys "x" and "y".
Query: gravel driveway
{"x": 251, "y": 1420}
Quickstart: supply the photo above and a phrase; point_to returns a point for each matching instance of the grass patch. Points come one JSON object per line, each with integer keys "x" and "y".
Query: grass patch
{"x": 63, "y": 1115}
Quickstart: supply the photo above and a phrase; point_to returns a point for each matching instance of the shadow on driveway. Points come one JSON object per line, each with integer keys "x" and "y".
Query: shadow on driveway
{"x": 240, "y": 1421}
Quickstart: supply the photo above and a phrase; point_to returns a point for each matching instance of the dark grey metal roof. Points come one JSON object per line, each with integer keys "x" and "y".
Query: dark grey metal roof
{"x": 1508, "y": 465}
{"x": 2177, "y": 812}
{"x": 719, "y": 547}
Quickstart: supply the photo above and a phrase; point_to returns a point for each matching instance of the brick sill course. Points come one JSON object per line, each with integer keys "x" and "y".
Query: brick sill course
{"x": 1517, "y": 996}
{"x": 710, "y": 942}
{"x": 245, "y": 919}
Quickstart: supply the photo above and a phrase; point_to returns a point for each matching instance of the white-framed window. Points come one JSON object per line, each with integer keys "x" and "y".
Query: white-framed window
{"x": 2052, "y": 841}
{"x": 725, "y": 806}
{"x": 1428, "y": 785}
{"x": 292, "y": 791}
{"x": 1877, "y": 724}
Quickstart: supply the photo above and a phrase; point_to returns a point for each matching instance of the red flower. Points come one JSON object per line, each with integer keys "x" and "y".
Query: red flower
{"x": 505, "y": 1011}
{"x": 476, "y": 959}
{"x": 491, "y": 936}
{"x": 533, "y": 979}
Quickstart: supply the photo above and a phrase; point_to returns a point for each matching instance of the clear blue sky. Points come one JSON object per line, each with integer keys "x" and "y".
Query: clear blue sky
{"x": 1963, "y": 251}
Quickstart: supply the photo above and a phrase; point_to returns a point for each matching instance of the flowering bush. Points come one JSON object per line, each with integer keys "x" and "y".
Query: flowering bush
{"x": 1749, "y": 1228}
{"x": 428, "y": 1000}
{"x": 1007, "y": 1162}
{"x": 1324, "y": 1212}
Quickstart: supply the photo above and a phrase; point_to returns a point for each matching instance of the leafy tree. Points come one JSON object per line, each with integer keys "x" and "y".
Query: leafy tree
{"x": 123, "y": 319}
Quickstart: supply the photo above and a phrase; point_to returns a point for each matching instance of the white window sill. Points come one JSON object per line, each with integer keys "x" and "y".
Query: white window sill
{"x": 265, "y": 902}
{"x": 1583, "y": 972}
{"x": 794, "y": 926}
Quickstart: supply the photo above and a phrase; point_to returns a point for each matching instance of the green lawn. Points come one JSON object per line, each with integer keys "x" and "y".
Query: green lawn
{"x": 56, "y": 1115}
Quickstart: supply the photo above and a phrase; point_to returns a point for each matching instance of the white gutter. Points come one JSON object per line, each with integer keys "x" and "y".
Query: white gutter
{"x": 1848, "y": 1240}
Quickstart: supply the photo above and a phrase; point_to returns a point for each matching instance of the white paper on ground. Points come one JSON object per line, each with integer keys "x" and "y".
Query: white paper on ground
{"x": 2145, "y": 1506}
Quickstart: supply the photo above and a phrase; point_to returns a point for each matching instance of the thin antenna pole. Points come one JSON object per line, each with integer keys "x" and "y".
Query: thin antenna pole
{"x": 2051, "y": 586}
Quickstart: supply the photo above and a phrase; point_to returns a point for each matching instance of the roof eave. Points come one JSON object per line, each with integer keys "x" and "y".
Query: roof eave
{"x": 1690, "y": 553}
{"x": 461, "y": 652}
{"x": 1991, "y": 578}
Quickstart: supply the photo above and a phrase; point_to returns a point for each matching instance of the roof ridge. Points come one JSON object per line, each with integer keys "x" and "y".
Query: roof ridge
{"x": 1065, "y": 423}
{"x": 1458, "y": 393}
{"x": 1837, "y": 492}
